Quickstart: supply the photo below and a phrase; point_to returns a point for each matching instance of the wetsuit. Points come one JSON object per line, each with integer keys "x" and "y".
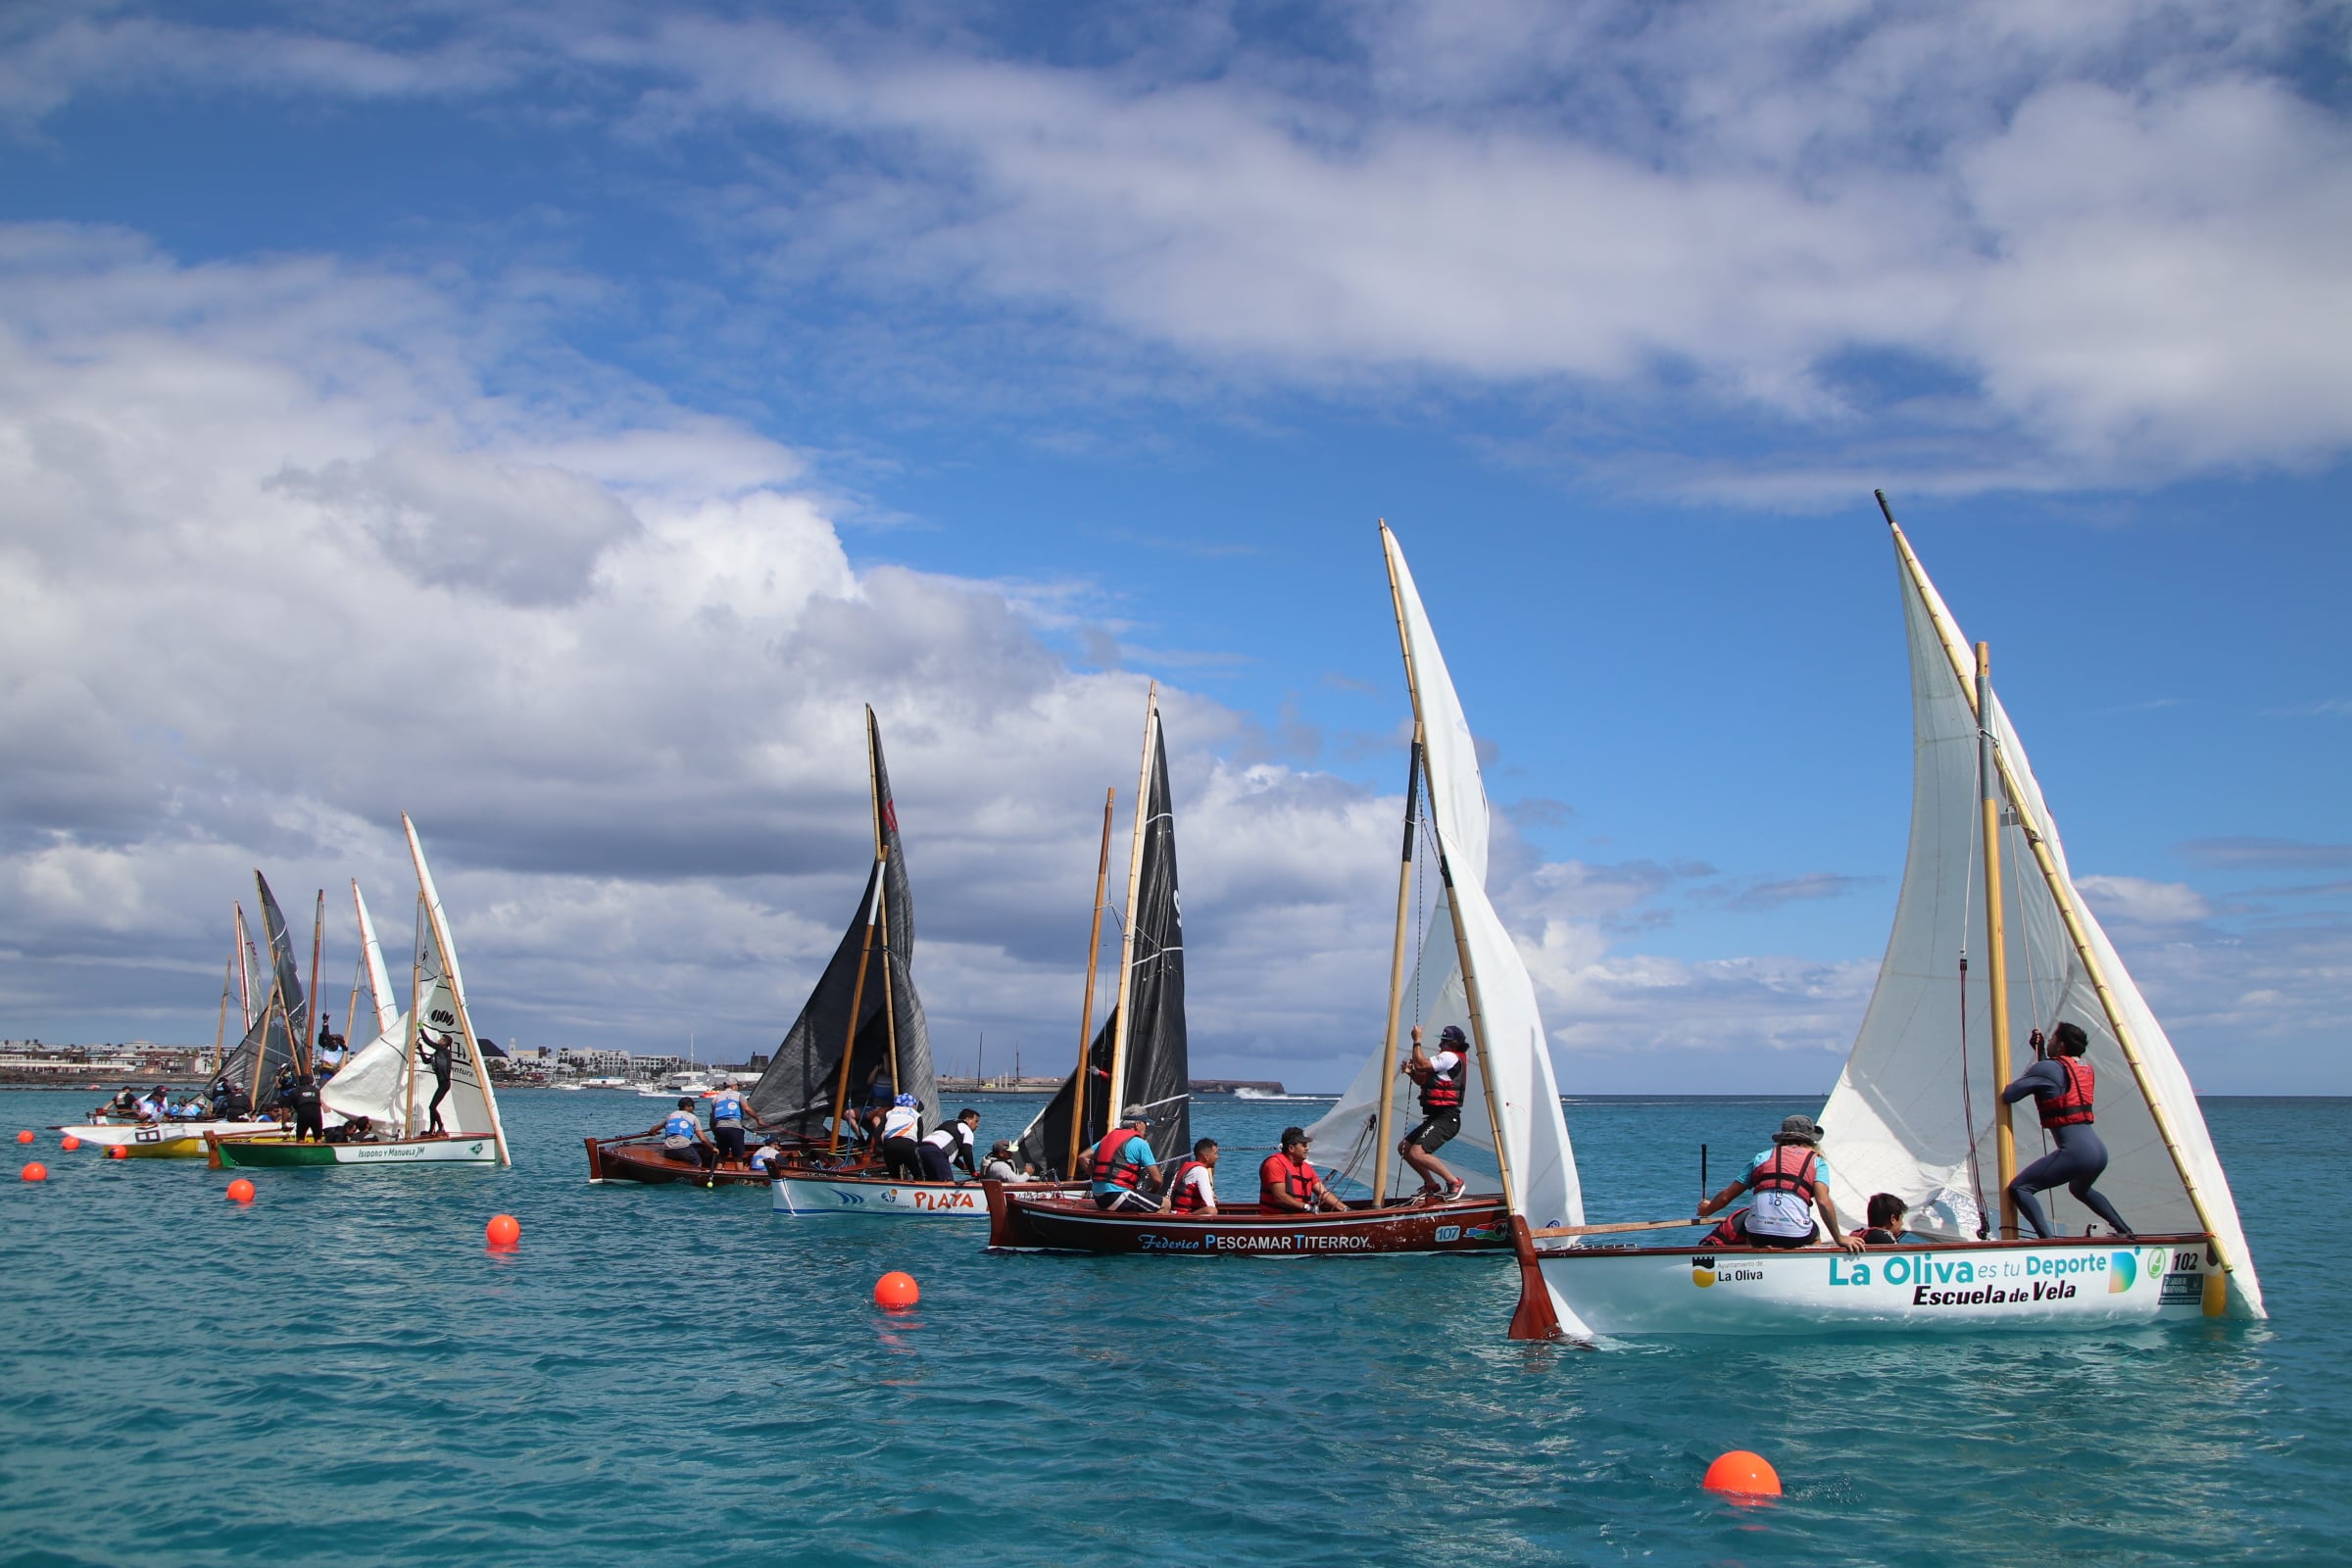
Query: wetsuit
{"x": 2077, "y": 1161}
{"x": 303, "y": 1098}
{"x": 443, "y": 1061}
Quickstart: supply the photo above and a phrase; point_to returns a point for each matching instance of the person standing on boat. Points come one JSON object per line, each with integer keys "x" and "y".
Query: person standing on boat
{"x": 1286, "y": 1179}
{"x": 1441, "y": 1079}
{"x": 303, "y": 1099}
{"x": 1122, "y": 1162}
{"x": 2063, "y": 1087}
{"x": 443, "y": 1061}
{"x": 942, "y": 1149}
{"x": 1193, "y": 1185}
{"x": 1790, "y": 1180}
{"x": 901, "y": 1155}
{"x": 727, "y": 1115}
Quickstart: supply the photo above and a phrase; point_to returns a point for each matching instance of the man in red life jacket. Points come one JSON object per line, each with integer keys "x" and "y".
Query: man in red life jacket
{"x": 1287, "y": 1181}
{"x": 1193, "y": 1185}
{"x": 1441, "y": 1079}
{"x": 2063, "y": 1087}
{"x": 1790, "y": 1180}
{"x": 1122, "y": 1162}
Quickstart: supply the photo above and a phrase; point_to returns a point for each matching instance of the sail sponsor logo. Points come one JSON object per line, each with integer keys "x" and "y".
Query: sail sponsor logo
{"x": 1285, "y": 1241}
{"x": 960, "y": 1201}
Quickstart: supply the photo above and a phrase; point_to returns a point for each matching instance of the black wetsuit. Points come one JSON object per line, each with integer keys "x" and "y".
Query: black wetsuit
{"x": 303, "y": 1099}
{"x": 2078, "y": 1161}
{"x": 442, "y": 1061}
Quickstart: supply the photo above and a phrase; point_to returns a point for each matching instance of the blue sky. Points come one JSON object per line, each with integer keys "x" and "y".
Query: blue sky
{"x": 556, "y": 421}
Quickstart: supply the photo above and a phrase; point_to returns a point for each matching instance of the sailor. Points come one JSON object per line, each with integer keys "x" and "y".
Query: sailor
{"x": 902, "y": 1124}
{"x": 2063, "y": 1086}
{"x": 358, "y": 1130}
{"x": 303, "y": 1099}
{"x": 1440, "y": 1080}
{"x": 682, "y": 1136}
{"x": 767, "y": 1158}
{"x": 1286, "y": 1179}
{"x": 1122, "y": 1162}
{"x": 230, "y": 1102}
{"x": 1886, "y": 1222}
{"x": 1790, "y": 1180}
{"x": 124, "y": 1105}
{"x": 999, "y": 1164}
{"x": 1192, "y": 1186}
{"x": 327, "y": 1059}
{"x": 442, "y": 1060}
{"x": 942, "y": 1149}
{"x": 727, "y": 1115}
{"x": 157, "y": 1106}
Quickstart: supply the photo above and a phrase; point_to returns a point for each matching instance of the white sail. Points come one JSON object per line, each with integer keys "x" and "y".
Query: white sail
{"x": 1913, "y": 1112}
{"x": 471, "y": 1105}
{"x": 1540, "y": 1165}
{"x": 371, "y": 953}
{"x": 368, "y": 1084}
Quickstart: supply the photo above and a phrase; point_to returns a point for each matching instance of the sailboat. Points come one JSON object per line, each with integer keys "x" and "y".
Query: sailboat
{"x": 178, "y": 1139}
{"x": 1493, "y": 994}
{"x": 384, "y": 1082}
{"x": 1917, "y": 1113}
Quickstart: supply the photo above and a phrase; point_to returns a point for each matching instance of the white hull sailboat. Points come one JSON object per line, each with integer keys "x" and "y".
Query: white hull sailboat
{"x": 1917, "y": 1113}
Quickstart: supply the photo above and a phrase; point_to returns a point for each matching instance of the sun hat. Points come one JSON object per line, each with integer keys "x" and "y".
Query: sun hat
{"x": 1798, "y": 1129}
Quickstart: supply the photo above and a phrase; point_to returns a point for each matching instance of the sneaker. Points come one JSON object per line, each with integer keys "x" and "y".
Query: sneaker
{"x": 1459, "y": 1188}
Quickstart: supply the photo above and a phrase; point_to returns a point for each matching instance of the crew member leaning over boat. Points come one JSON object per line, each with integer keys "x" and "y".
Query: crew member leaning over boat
{"x": 1790, "y": 1180}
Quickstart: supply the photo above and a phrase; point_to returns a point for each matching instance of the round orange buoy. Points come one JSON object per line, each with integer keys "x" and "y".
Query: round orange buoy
{"x": 36, "y": 1172}
{"x": 240, "y": 1191}
{"x": 25, "y": 1137}
{"x": 69, "y": 1142}
{"x": 1744, "y": 1474}
{"x": 504, "y": 1231}
{"x": 118, "y": 1152}
{"x": 895, "y": 1288}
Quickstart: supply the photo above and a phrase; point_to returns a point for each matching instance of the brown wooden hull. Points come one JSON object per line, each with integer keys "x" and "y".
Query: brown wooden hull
{"x": 1472, "y": 1224}
{"x": 643, "y": 1160}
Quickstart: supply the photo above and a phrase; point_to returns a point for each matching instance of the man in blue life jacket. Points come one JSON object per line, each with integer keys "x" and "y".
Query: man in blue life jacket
{"x": 901, "y": 1127}
{"x": 728, "y": 1114}
{"x": 1123, "y": 1162}
{"x": 1790, "y": 1180}
{"x": 681, "y": 1135}
{"x": 1441, "y": 1079}
{"x": 2063, "y": 1087}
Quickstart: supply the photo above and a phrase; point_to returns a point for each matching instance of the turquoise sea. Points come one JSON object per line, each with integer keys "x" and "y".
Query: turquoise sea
{"x": 343, "y": 1373}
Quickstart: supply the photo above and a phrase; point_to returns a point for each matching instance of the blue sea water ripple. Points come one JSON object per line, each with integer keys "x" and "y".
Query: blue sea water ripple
{"x": 344, "y": 1372}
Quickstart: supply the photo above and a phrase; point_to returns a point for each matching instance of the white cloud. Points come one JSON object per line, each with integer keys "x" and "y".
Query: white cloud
{"x": 2135, "y": 901}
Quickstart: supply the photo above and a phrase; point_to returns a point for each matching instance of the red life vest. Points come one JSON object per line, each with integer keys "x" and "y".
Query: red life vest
{"x": 2072, "y": 1108}
{"x": 1187, "y": 1199}
{"x": 1294, "y": 1178}
{"x": 1107, "y": 1167}
{"x": 1776, "y": 1174}
{"x": 1440, "y": 1093}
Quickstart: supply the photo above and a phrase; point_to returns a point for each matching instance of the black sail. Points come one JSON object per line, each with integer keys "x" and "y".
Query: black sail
{"x": 1158, "y": 1055}
{"x": 803, "y": 1078}
{"x": 268, "y": 1045}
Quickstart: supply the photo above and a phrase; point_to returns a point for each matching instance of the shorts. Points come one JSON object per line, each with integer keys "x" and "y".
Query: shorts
{"x": 729, "y": 1139}
{"x": 1437, "y": 1130}
{"x": 1120, "y": 1197}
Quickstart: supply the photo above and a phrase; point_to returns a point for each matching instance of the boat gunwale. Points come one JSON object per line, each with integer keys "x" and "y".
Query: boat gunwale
{"x": 1547, "y": 1254}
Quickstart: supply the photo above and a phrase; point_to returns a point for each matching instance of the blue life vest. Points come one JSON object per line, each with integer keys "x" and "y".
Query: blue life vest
{"x": 726, "y": 1107}
{"x": 681, "y": 1124}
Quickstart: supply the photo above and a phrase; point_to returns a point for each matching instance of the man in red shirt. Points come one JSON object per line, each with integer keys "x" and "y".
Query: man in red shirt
{"x": 1287, "y": 1181}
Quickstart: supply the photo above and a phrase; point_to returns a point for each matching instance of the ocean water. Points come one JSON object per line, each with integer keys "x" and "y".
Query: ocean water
{"x": 342, "y": 1372}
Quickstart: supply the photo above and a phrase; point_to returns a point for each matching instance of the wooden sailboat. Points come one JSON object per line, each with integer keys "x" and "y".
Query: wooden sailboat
{"x": 382, "y": 1081}
{"x": 1916, "y": 1112}
{"x": 1498, "y": 1009}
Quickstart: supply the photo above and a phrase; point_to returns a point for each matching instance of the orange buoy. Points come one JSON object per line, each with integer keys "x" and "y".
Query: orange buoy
{"x": 118, "y": 1152}
{"x": 69, "y": 1142}
{"x": 25, "y": 1137}
{"x": 36, "y": 1172}
{"x": 895, "y": 1288}
{"x": 1743, "y": 1474}
{"x": 504, "y": 1231}
{"x": 240, "y": 1191}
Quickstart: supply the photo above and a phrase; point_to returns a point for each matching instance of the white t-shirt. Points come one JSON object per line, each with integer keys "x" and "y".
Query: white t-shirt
{"x": 1446, "y": 1063}
{"x": 901, "y": 1122}
{"x": 1202, "y": 1180}
{"x": 948, "y": 1137}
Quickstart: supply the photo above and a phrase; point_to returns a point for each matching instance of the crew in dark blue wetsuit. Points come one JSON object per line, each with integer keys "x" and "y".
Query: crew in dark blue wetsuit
{"x": 2063, "y": 1085}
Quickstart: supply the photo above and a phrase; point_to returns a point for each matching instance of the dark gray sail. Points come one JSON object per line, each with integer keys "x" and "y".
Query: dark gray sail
{"x": 890, "y": 1049}
{"x": 268, "y": 1045}
{"x": 1158, "y": 1051}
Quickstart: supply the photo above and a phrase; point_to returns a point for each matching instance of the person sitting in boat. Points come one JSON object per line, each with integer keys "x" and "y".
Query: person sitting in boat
{"x": 999, "y": 1166}
{"x": 1286, "y": 1179}
{"x": 1790, "y": 1180}
{"x": 1440, "y": 1080}
{"x": 767, "y": 1159}
{"x": 1886, "y": 1222}
{"x": 1192, "y": 1186}
{"x": 358, "y": 1130}
{"x": 942, "y": 1149}
{"x": 728, "y": 1114}
{"x": 156, "y": 1106}
{"x": 190, "y": 1110}
{"x": 901, "y": 1126}
{"x": 230, "y": 1103}
{"x": 124, "y": 1107}
{"x": 1123, "y": 1162}
{"x": 682, "y": 1136}
{"x": 2061, "y": 1085}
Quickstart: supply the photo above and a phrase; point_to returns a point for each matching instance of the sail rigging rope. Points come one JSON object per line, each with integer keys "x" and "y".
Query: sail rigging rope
{"x": 1968, "y": 1105}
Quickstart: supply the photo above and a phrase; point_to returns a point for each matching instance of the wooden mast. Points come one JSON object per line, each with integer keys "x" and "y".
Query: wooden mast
{"x": 2062, "y": 894}
{"x": 351, "y": 1015}
{"x": 1086, "y": 1018}
{"x": 220, "y": 1026}
{"x": 1453, "y": 906}
{"x": 408, "y": 1060}
{"x": 1996, "y": 946}
{"x": 457, "y": 990}
{"x": 1386, "y": 1120}
{"x": 873, "y": 790}
{"x": 309, "y": 1023}
{"x": 1135, "y": 877}
{"x": 866, "y": 952}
